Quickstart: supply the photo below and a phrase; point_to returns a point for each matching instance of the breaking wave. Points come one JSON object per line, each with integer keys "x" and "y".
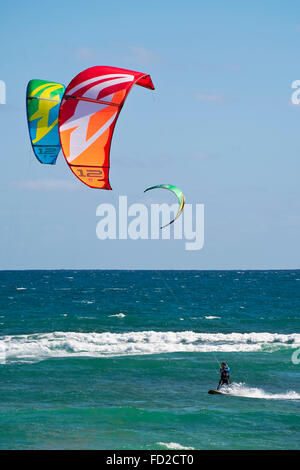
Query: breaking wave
{"x": 70, "y": 344}
{"x": 174, "y": 446}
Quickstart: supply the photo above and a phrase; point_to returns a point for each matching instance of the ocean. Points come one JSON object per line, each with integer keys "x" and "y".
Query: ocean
{"x": 124, "y": 359}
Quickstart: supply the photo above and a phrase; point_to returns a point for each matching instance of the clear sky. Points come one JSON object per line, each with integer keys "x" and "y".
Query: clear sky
{"x": 220, "y": 125}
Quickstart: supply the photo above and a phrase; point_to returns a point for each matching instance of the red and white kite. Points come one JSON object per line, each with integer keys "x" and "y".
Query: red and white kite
{"x": 88, "y": 114}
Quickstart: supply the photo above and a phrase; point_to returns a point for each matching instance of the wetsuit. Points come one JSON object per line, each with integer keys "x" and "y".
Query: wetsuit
{"x": 224, "y": 371}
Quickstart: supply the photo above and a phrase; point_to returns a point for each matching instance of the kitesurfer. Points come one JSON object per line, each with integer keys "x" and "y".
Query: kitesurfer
{"x": 224, "y": 371}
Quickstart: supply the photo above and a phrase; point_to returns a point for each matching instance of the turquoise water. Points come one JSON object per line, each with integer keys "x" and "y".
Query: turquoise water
{"x": 124, "y": 359}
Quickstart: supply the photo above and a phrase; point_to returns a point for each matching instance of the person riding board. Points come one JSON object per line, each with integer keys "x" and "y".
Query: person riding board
{"x": 224, "y": 371}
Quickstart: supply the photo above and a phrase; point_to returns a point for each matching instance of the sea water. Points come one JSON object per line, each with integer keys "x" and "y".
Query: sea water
{"x": 124, "y": 359}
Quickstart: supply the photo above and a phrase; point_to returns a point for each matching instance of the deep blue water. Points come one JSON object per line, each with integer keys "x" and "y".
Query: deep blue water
{"x": 124, "y": 359}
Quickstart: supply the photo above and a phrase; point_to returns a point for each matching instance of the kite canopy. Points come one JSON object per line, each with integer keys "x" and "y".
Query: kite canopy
{"x": 43, "y": 99}
{"x": 88, "y": 114}
{"x": 179, "y": 194}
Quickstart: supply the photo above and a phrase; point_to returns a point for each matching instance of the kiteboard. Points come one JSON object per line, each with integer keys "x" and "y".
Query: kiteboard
{"x": 215, "y": 392}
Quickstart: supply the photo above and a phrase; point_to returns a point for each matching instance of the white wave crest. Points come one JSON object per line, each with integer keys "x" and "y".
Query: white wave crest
{"x": 67, "y": 344}
{"x": 174, "y": 445}
{"x": 241, "y": 390}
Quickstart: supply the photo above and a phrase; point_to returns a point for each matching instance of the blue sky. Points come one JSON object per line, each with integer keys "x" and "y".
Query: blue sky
{"x": 220, "y": 125}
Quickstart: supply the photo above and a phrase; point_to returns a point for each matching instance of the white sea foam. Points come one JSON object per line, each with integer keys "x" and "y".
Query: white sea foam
{"x": 118, "y": 315}
{"x": 241, "y": 390}
{"x": 67, "y": 344}
{"x": 211, "y": 317}
{"x": 174, "y": 445}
